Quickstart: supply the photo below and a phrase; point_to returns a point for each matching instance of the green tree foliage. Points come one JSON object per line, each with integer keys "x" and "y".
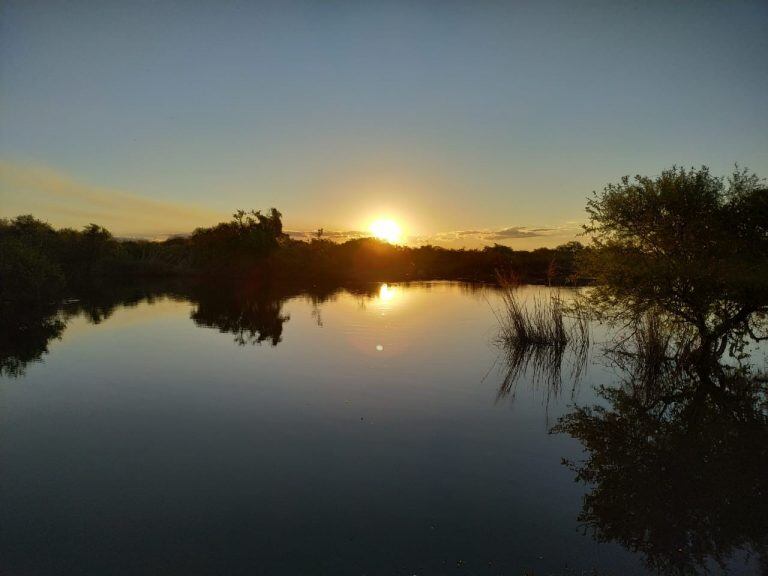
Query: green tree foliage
{"x": 27, "y": 272}
{"x": 688, "y": 244}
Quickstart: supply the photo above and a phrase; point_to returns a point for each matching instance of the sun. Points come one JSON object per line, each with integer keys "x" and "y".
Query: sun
{"x": 386, "y": 230}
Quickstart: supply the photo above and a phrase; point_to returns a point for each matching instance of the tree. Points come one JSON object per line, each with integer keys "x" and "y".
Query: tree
{"x": 688, "y": 245}
{"x": 239, "y": 245}
{"x": 27, "y": 273}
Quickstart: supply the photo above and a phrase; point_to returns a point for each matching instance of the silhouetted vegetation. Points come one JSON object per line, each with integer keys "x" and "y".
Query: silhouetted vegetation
{"x": 539, "y": 323}
{"x": 686, "y": 245}
{"x": 240, "y": 245}
{"x": 374, "y": 260}
{"x": 686, "y": 242}
{"x": 40, "y": 263}
{"x": 676, "y": 456}
{"x": 535, "y": 334}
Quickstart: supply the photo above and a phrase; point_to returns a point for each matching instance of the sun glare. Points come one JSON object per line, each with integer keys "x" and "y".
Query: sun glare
{"x": 386, "y": 230}
{"x": 387, "y": 292}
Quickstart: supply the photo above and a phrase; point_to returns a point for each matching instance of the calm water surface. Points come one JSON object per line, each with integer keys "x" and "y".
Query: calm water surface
{"x": 345, "y": 433}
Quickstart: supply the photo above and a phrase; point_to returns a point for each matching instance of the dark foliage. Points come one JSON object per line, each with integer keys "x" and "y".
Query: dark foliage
{"x": 239, "y": 245}
{"x": 40, "y": 263}
{"x": 686, "y": 244}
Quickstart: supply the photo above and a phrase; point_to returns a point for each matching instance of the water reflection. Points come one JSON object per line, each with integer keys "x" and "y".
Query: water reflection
{"x": 25, "y": 333}
{"x": 675, "y": 453}
{"x": 24, "y": 337}
{"x": 253, "y": 313}
{"x": 676, "y": 457}
{"x": 543, "y": 362}
{"x": 387, "y": 292}
{"x": 253, "y": 316}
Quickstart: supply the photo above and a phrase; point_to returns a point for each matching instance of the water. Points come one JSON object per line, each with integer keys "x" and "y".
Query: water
{"x": 339, "y": 432}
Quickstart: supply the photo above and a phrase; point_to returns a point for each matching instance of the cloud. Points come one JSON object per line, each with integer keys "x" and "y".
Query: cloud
{"x": 511, "y": 232}
{"x": 57, "y": 197}
{"x": 551, "y": 235}
{"x": 514, "y": 232}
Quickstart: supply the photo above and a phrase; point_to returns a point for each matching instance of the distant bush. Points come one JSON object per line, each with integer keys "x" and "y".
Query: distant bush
{"x": 38, "y": 261}
{"x": 238, "y": 245}
{"x": 26, "y": 274}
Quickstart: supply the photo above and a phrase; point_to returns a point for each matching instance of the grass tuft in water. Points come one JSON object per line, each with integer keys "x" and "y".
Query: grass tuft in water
{"x": 535, "y": 334}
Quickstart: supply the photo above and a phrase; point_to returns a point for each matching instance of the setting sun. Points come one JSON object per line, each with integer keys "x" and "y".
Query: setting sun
{"x": 386, "y": 230}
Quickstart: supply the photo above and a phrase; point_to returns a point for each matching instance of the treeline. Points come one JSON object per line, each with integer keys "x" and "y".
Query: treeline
{"x": 39, "y": 262}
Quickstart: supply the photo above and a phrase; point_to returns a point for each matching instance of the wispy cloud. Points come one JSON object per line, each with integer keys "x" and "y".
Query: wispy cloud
{"x": 484, "y": 236}
{"x": 516, "y": 232}
{"x": 64, "y": 201}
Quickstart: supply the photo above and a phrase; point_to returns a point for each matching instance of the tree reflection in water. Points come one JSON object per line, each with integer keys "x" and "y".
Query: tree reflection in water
{"x": 676, "y": 452}
{"x": 27, "y": 331}
{"x": 253, "y": 316}
{"x": 677, "y": 457}
{"x": 25, "y": 335}
{"x": 252, "y": 312}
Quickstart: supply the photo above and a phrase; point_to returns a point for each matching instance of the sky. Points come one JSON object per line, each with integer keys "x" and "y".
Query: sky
{"x": 468, "y": 123}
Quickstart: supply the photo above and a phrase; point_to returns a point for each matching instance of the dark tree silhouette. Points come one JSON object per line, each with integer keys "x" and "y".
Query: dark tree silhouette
{"x": 686, "y": 244}
{"x": 239, "y": 244}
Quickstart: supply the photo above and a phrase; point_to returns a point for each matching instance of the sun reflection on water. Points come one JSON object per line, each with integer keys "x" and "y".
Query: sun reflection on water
{"x": 387, "y": 293}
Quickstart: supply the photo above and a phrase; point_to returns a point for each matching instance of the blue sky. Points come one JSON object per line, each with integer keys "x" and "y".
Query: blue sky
{"x": 155, "y": 117}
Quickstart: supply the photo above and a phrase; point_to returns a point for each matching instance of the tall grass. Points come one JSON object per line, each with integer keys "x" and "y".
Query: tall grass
{"x": 535, "y": 335}
{"x": 538, "y": 324}
{"x": 542, "y": 320}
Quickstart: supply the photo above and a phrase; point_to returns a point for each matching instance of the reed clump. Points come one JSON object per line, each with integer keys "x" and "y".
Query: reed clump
{"x": 539, "y": 322}
{"x": 535, "y": 334}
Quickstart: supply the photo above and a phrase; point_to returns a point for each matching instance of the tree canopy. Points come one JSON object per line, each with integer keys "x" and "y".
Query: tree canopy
{"x": 687, "y": 244}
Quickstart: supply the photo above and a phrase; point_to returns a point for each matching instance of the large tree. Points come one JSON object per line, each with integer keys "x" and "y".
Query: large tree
{"x": 688, "y": 245}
